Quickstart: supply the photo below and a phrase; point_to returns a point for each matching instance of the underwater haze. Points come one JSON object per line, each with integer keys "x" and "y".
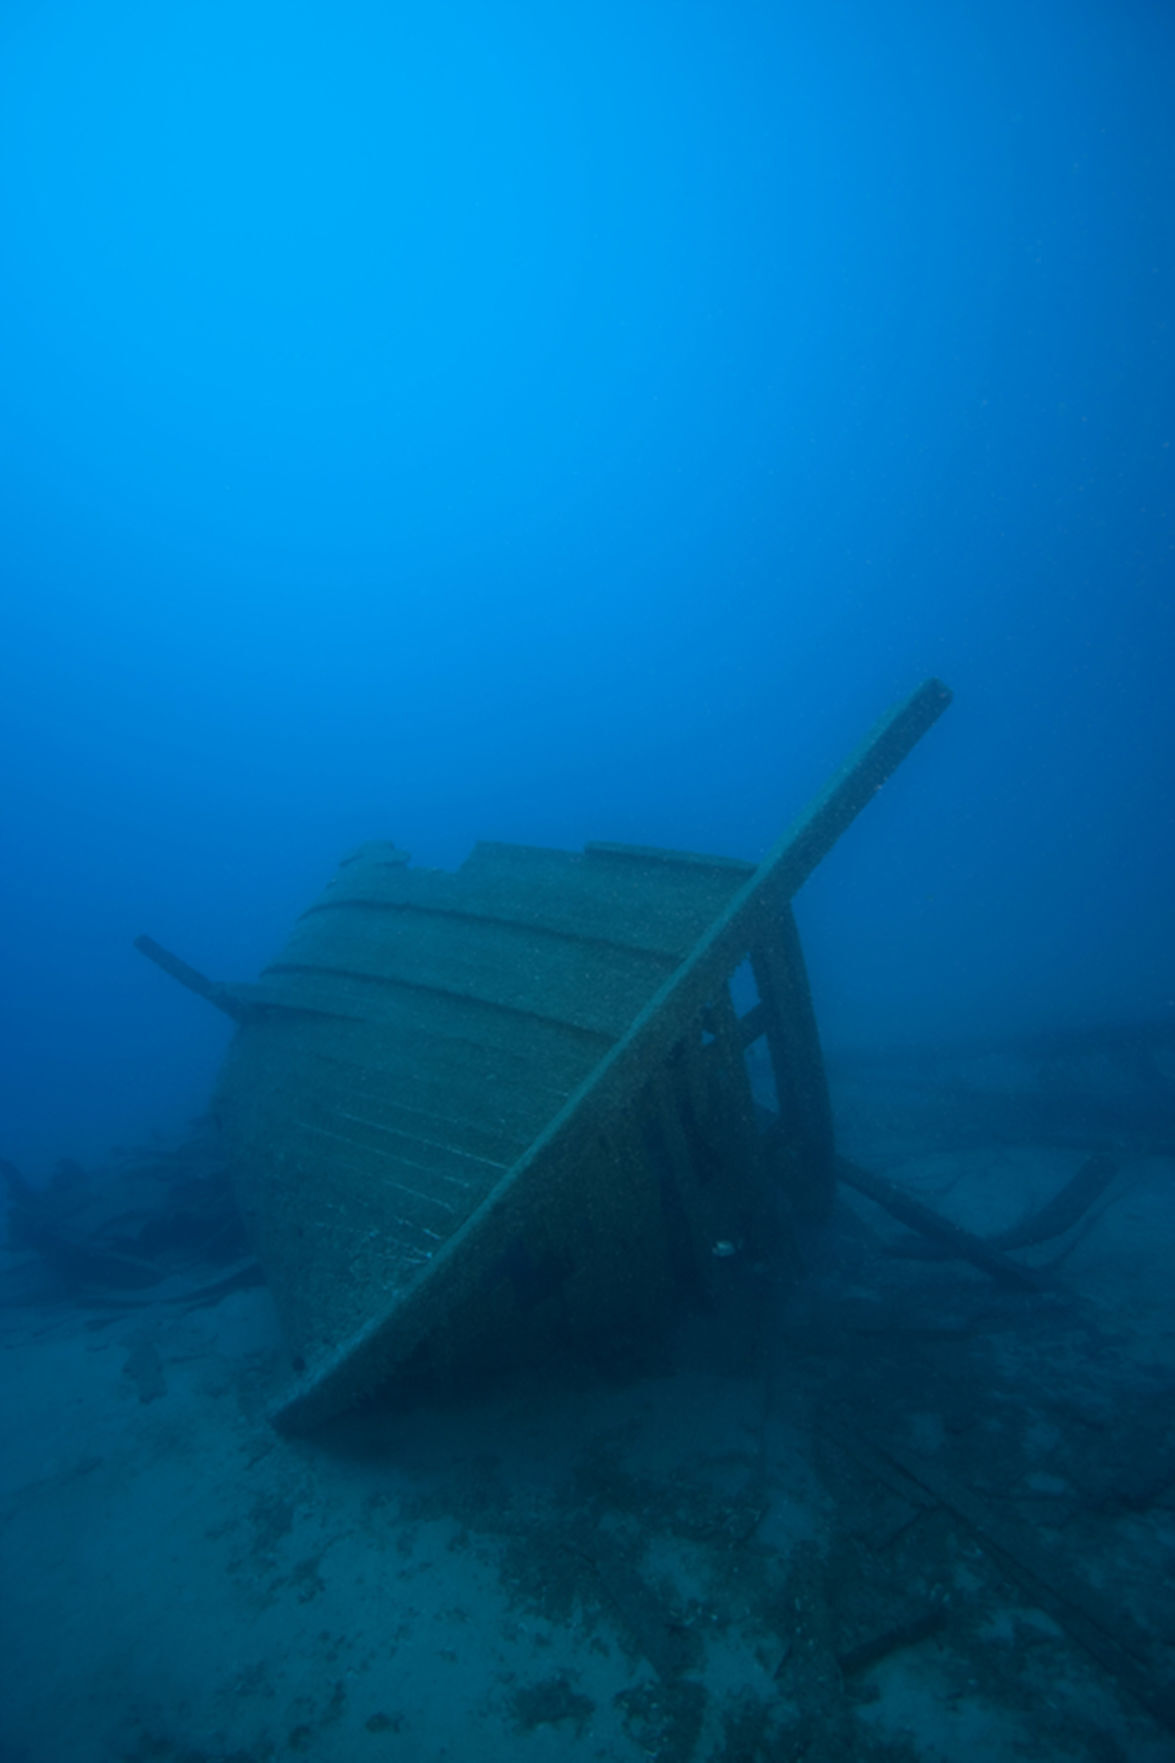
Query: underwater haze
{"x": 553, "y": 423}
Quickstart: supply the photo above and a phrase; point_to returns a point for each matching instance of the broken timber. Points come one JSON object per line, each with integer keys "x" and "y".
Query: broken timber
{"x": 456, "y": 1094}
{"x": 951, "y": 1238}
{"x": 1107, "y": 1633}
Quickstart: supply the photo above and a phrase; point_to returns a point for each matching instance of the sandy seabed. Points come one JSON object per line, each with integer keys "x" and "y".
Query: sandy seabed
{"x": 908, "y": 1515}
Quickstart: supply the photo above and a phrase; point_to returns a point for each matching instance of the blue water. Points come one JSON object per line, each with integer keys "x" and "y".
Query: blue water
{"x": 563, "y": 422}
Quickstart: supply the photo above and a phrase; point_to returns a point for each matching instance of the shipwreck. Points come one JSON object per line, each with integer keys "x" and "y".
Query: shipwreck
{"x": 470, "y": 1106}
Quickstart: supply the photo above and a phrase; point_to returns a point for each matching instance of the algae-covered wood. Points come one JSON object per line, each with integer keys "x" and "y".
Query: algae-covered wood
{"x": 448, "y": 1084}
{"x": 436, "y": 1069}
{"x": 416, "y": 1036}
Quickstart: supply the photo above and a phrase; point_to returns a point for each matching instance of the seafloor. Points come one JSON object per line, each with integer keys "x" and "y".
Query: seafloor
{"x": 893, "y": 1511}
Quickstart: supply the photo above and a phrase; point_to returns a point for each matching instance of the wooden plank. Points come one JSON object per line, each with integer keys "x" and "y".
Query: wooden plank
{"x": 371, "y": 1113}
{"x": 1105, "y": 1631}
{"x": 587, "y": 896}
{"x": 960, "y": 1242}
{"x": 692, "y": 1066}
{"x": 224, "y": 997}
{"x": 639, "y": 933}
{"x": 489, "y": 1101}
{"x": 658, "y": 859}
{"x": 589, "y": 985}
{"x": 731, "y": 1093}
{"x": 388, "y": 1008}
{"x": 700, "y": 1222}
{"x": 444, "y": 1161}
{"x": 492, "y": 1097}
{"x": 789, "y": 1023}
{"x": 1051, "y": 1220}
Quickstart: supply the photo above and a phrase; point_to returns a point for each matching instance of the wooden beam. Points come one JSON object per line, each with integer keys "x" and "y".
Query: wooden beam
{"x": 211, "y": 990}
{"x": 957, "y": 1241}
{"x": 801, "y": 1088}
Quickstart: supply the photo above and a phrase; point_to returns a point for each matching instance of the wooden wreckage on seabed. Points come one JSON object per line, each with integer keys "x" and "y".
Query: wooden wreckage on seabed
{"x": 467, "y": 1106}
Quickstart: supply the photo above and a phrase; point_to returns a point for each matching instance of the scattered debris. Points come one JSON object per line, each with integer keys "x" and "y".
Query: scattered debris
{"x": 951, "y": 1237}
{"x": 156, "y": 1223}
